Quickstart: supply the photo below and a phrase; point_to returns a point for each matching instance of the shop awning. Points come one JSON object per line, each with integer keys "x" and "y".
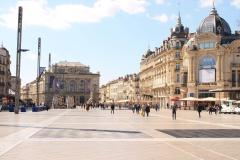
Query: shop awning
{"x": 225, "y": 90}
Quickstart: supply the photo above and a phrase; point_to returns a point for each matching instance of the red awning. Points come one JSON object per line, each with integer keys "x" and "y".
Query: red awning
{"x": 175, "y": 99}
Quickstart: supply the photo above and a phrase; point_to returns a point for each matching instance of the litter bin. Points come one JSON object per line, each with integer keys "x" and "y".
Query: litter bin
{"x": 11, "y": 108}
{"x": 23, "y": 109}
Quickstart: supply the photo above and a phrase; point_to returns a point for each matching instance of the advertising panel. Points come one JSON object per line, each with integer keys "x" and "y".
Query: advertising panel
{"x": 207, "y": 75}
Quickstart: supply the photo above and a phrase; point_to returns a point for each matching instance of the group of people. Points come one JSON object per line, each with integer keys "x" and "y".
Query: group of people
{"x": 144, "y": 109}
{"x": 211, "y": 108}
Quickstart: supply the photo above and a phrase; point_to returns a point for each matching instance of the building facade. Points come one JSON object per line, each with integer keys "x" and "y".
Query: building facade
{"x": 122, "y": 90}
{"x": 193, "y": 64}
{"x": 5, "y": 74}
{"x": 212, "y": 59}
{"x": 65, "y": 82}
{"x": 160, "y": 74}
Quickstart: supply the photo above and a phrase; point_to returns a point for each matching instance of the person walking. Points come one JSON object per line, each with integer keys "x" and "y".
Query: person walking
{"x": 133, "y": 108}
{"x": 112, "y": 108}
{"x": 199, "y": 109}
{"x": 156, "y": 107}
{"x": 143, "y": 110}
{"x": 147, "y": 109}
{"x": 174, "y": 112}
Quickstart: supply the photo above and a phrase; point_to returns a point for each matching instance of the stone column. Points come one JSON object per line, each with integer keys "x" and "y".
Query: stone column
{"x": 190, "y": 69}
{"x": 194, "y": 69}
{"x": 218, "y": 68}
{"x": 222, "y": 67}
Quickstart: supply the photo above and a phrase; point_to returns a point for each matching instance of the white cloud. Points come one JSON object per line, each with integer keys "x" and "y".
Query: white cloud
{"x": 236, "y": 3}
{"x": 160, "y": 1}
{"x": 38, "y": 13}
{"x": 208, "y": 3}
{"x": 162, "y": 18}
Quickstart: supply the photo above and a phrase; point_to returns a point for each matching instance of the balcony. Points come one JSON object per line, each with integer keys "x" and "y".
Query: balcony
{"x": 206, "y": 84}
{"x": 235, "y": 64}
{"x": 184, "y": 85}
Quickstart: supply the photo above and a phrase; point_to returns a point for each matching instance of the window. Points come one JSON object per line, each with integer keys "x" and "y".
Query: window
{"x": 207, "y": 44}
{"x": 82, "y": 86}
{"x": 207, "y": 62}
{"x": 177, "y": 55}
{"x": 177, "y": 45}
{"x": 233, "y": 78}
{"x": 72, "y": 85}
{"x": 177, "y": 90}
{"x": 177, "y": 67}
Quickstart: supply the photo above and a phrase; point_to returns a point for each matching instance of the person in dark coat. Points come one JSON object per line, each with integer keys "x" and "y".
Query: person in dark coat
{"x": 112, "y": 108}
{"x": 147, "y": 109}
{"x": 174, "y": 111}
{"x": 199, "y": 109}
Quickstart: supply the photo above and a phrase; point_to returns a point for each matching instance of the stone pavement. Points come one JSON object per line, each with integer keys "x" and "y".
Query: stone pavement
{"x": 98, "y": 135}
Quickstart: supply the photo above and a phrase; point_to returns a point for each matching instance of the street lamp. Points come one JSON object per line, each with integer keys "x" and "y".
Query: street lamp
{"x": 18, "y": 59}
{"x": 18, "y": 84}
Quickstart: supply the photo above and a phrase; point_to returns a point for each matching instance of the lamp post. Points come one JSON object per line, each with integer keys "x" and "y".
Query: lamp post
{"x": 38, "y": 69}
{"x": 18, "y": 60}
{"x": 18, "y": 80}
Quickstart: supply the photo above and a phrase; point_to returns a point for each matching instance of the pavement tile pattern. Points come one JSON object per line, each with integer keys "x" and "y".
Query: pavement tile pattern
{"x": 202, "y": 133}
{"x": 97, "y": 135}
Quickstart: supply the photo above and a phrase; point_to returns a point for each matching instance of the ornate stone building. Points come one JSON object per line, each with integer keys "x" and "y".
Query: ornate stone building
{"x": 5, "y": 74}
{"x": 64, "y": 82}
{"x": 160, "y": 76}
{"x": 212, "y": 59}
{"x": 123, "y": 89}
{"x": 192, "y": 65}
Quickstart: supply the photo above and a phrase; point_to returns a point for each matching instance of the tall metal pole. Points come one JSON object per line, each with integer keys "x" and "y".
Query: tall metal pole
{"x": 38, "y": 68}
{"x": 18, "y": 60}
{"x": 49, "y": 62}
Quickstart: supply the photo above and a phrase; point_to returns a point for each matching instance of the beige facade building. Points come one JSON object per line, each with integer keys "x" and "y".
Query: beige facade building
{"x": 160, "y": 76}
{"x": 121, "y": 90}
{"x": 65, "y": 82}
{"x": 192, "y": 65}
{"x": 5, "y": 74}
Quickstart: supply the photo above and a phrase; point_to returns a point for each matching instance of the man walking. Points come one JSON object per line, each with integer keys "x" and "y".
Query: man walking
{"x": 112, "y": 108}
{"x": 147, "y": 109}
{"x": 174, "y": 111}
{"x": 199, "y": 109}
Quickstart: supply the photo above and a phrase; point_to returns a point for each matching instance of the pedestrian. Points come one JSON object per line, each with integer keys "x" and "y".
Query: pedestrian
{"x": 143, "y": 110}
{"x": 47, "y": 107}
{"x": 199, "y": 109}
{"x": 133, "y": 108}
{"x": 112, "y": 108}
{"x": 167, "y": 106}
{"x": 220, "y": 109}
{"x": 87, "y": 107}
{"x": 156, "y": 107}
{"x": 210, "y": 109}
{"x": 147, "y": 109}
{"x": 138, "y": 108}
{"x": 174, "y": 112}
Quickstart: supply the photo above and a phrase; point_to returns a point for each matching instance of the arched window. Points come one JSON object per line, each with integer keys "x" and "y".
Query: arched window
{"x": 207, "y": 70}
{"x": 207, "y": 63}
{"x": 72, "y": 86}
{"x": 82, "y": 86}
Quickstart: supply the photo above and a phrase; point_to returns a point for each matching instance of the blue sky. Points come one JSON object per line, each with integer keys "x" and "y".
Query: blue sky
{"x": 108, "y": 35}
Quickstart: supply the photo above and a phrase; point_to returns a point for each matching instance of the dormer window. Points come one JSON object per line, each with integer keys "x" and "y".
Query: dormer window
{"x": 177, "y": 55}
{"x": 207, "y": 44}
{"x": 177, "y": 45}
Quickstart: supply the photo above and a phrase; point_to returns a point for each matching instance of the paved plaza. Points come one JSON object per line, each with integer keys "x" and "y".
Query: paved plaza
{"x": 97, "y": 135}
